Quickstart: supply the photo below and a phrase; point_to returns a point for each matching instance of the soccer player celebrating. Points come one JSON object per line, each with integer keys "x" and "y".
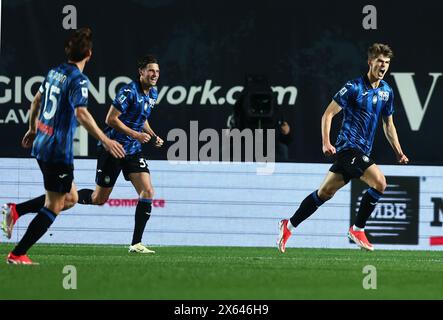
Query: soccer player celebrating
{"x": 61, "y": 100}
{"x": 362, "y": 101}
{"x": 127, "y": 122}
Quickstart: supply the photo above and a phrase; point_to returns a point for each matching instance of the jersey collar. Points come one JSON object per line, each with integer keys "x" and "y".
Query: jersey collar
{"x": 368, "y": 83}
{"x": 72, "y": 64}
{"x": 140, "y": 89}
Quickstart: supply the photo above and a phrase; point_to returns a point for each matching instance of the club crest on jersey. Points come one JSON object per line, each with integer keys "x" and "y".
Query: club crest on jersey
{"x": 152, "y": 102}
{"x": 384, "y": 95}
{"x": 374, "y": 99}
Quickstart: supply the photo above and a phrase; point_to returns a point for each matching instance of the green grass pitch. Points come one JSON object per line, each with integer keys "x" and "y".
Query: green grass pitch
{"x": 225, "y": 273}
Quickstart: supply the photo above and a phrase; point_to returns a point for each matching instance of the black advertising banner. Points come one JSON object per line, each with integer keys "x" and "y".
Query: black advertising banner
{"x": 395, "y": 217}
{"x": 306, "y": 49}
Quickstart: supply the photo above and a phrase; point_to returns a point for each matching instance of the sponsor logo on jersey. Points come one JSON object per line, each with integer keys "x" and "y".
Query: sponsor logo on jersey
{"x": 45, "y": 129}
{"x": 121, "y": 99}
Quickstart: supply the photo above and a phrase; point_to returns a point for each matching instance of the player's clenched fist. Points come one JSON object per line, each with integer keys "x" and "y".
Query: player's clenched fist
{"x": 143, "y": 137}
{"x": 158, "y": 142}
{"x": 403, "y": 159}
{"x": 28, "y": 139}
{"x": 328, "y": 149}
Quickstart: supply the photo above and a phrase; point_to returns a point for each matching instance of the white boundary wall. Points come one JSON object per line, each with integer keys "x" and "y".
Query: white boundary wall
{"x": 219, "y": 204}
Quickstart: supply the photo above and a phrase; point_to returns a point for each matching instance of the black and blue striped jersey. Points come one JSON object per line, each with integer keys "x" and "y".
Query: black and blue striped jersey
{"x": 64, "y": 89}
{"x": 135, "y": 107}
{"x": 362, "y": 106}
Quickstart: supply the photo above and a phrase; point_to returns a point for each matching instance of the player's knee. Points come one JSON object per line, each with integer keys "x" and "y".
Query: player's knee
{"x": 148, "y": 193}
{"x": 56, "y": 207}
{"x": 68, "y": 205}
{"x": 326, "y": 193}
{"x": 70, "y": 200}
{"x": 380, "y": 184}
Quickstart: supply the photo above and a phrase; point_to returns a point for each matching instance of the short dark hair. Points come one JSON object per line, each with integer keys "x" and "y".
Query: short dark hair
{"x": 78, "y": 44}
{"x": 147, "y": 59}
{"x": 379, "y": 48}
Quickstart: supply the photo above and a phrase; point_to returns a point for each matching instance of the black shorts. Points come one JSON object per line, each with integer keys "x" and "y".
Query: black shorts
{"x": 351, "y": 163}
{"x": 57, "y": 177}
{"x": 108, "y": 167}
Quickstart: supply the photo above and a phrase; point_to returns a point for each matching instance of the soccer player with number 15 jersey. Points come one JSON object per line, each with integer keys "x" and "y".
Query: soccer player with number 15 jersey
{"x": 61, "y": 100}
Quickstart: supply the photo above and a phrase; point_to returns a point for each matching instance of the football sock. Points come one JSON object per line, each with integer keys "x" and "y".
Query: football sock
{"x": 85, "y": 196}
{"x": 290, "y": 226}
{"x": 29, "y": 206}
{"x": 36, "y": 229}
{"x": 142, "y": 215}
{"x": 308, "y": 206}
{"x": 367, "y": 205}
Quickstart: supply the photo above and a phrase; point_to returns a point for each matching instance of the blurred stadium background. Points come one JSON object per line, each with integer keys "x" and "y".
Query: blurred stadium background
{"x": 302, "y": 52}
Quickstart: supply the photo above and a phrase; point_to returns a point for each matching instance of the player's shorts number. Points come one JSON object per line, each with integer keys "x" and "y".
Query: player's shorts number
{"x": 143, "y": 163}
{"x": 52, "y": 91}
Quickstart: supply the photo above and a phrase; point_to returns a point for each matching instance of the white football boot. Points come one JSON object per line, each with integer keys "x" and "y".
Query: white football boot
{"x": 139, "y": 248}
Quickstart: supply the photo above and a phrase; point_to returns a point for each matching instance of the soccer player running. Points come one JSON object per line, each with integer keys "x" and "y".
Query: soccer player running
{"x": 362, "y": 101}
{"x": 127, "y": 122}
{"x": 62, "y": 99}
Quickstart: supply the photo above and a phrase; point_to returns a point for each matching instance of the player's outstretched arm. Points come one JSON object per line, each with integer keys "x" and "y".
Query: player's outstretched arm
{"x": 147, "y": 128}
{"x": 113, "y": 121}
{"x": 87, "y": 121}
{"x": 29, "y": 136}
{"x": 326, "y": 121}
{"x": 392, "y": 137}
